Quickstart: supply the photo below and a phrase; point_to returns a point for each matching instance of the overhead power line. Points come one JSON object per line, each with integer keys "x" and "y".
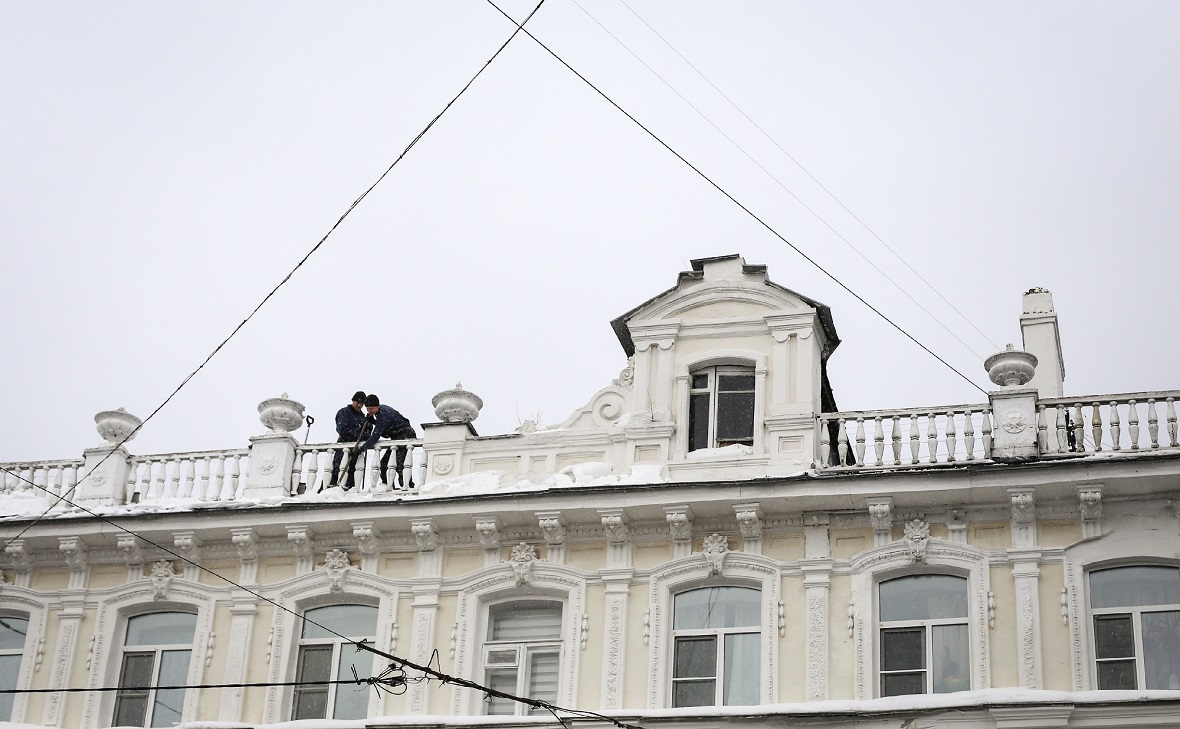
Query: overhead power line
{"x": 814, "y": 179}
{"x": 737, "y": 202}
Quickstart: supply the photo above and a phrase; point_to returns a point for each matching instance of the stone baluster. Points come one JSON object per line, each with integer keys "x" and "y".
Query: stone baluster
{"x": 229, "y": 486}
{"x": 68, "y": 479}
{"x": 1133, "y": 424}
{"x": 969, "y": 434}
{"x": 54, "y": 484}
{"x": 1153, "y": 423}
{"x": 132, "y": 479}
{"x": 1079, "y": 429}
{"x": 842, "y": 442}
{"x": 172, "y": 478}
{"x": 40, "y": 481}
{"x": 359, "y": 469}
{"x": 1062, "y": 429}
{"x": 215, "y": 470}
{"x": 825, "y": 443}
{"x": 156, "y": 471}
{"x": 951, "y": 440}
{"x": 913, "y": 438}
{"x": 297, "y": 473}
{"x": 201, "y": 484}
{"x": 932, "y": 437}
{"x": 878, "y": 440}
{"x": 987, "y": 434}
{"x": 186, "y": 469}
{"x": 313, "y": 470}
{"x": 861, "y": 442}
{"x": 895, "y": 440}
{"x": 1172, "y": 422}
{"x": 1096, "y": 426}
{"x": 1042, "y": 430}
{"x": 1114, "y": 426}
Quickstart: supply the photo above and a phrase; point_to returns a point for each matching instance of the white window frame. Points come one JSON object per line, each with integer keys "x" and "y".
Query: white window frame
{"x": 718, "y": 635}
{"x": 740, "y": 569}
{"x": 713, "y": 375}
{"x": 880, "y": 564}
{"x": 521, "y": 664}
{"x": 927, "y": 625}
{"x": 157, "y": 651}
{"x": 1135, "y": 613}
{"x": 495, "y": 584}
{"x": 337, "y": 646}
{"x": 16, "y": 602}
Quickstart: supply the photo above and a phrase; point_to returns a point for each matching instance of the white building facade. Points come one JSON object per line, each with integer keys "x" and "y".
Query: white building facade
{"x": 709, "y": 540}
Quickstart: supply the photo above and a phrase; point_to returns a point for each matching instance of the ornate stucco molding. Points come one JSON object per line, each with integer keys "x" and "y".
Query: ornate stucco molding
{"x": 76, "y": 554}
{"x": 188, "y": 545}
{"x": 336, "y": 567}
{"x": 881, "y": 515}
{"x": 1090, "y": 504}
{"x": 749, "y": 520}
{"x": 302, "y": 539}
{"x": 367, "y": 537}
{"x": 679, "y": 519}
{"x": 245, "y": 540}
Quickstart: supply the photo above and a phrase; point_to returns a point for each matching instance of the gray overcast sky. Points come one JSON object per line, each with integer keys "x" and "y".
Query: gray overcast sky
{"x": 162, "y": 166}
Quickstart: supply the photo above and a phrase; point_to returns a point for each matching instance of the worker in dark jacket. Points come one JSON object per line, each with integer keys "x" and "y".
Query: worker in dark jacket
{"x": 388, "y": 423}
{"x": 349, "y": 420}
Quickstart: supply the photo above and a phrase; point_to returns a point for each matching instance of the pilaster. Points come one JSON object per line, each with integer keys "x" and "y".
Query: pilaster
{"x": 237, "y": 663}
{"x": 618, "y": 589}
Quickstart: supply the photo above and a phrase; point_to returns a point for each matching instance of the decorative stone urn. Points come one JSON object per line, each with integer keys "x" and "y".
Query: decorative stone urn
{"x": 456, "y": 405}
{"x": 1010, "y": 368}
{"x": 115, "y": 426}
{"x": 280, "y": 414}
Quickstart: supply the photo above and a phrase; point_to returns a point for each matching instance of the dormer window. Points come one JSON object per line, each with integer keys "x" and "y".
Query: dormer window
{"x": 721, "y": 407}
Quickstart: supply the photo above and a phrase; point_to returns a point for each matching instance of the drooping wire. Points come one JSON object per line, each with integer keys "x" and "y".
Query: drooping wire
{"x": 737, "y": 202}
{"x": 807, "y": 172}
{"x": 290, "y": 273}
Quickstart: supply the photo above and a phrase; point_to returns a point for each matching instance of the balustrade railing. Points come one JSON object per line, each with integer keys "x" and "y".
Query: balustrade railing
{"x": 44, "y": 478}
{"x": 200, "y": 475}
{"x": 906, "y": 438}
{"x": 1137, "y": 421}
{"x": 313, "y": 467}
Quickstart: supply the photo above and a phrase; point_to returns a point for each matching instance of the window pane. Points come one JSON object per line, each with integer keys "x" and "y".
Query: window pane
{"x": 695, "y": 658}
{"x": 735, "y": 383}
{"x": 742, "y": 670}
{"x": 352, "y": 701}
{"x": 501, "y": 681}
{"x": 543, "y": 676}
{"x": 694, "y": 693}
{"x": 12, "y": 632}
{"x": 9, "y": 672}
{"x": 901, "y": 684}
{"x": 1113, "y": 636}
{"x": 1134, "y": 586}
{"x": 903, "y": 649}
{"x": 525, "y": 620}
{"x": 698, "y": 421}
{"x": 134, "y": 680}
{"x": 1161, "y": 650}
{"x": 161, "y": 629}
{"x": 924, "y": 597}
{"x": 717, "y": 607}
{"x": 951, "y": 658}
{"x": 355, "y": 621}
{"x": 1116, "y": 675}
{"x": 700, "y": 382}
{"x": 735, "y": 417}
{"x": 314, "y": 664}
{"x": 168, "y": 704}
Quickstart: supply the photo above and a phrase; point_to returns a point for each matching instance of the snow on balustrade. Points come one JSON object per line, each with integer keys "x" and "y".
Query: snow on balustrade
{"x": 200, "y": 476}
{"x": 906, "y": 438}
{"x": 1129, "y": 422}
{"x": 54, "y": 477}
{"x": 313, "y": 466}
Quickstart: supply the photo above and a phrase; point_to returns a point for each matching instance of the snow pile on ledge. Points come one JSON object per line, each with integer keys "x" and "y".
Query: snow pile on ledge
{"x": 737, "y": 450}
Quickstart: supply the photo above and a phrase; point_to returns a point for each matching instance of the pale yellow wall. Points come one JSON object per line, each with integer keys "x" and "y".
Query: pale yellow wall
{"x": 396, "y": 705}
{"x": 847, "y": 543}
{"x": 650, "y": 556}
{"x": 989, "y": 535}
{"x": 49, "y": 580}
{"x": 399, "y": 567}
{"x": 785, "y": 547}
{"x": 842, "y": 655}
{"x": 210, "y": 702}
{"x": 257, "y": 669}
{"x": 106, "y": 576}
{"x": 792, "y": 647}
{"x": 1055, "y": 640}
{"x": 1004, "y": 669}
{"x": 272, "y": 571}
{"x": 230, "y": 570}
{"x": 590, "y": 660}
{"x": 587, "y": 558}
{"x": 458, "y": 562}
{"x": 1059, "y": 532}
{"x": 636, "y": 672}
{"x": 439, "y": 697}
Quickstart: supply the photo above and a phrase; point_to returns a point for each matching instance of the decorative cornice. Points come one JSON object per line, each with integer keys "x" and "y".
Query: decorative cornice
{"x": 552, "y": 525}
{"x": 488, "y": 529}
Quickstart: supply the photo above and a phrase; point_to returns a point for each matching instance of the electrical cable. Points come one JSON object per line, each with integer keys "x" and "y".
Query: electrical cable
{"x": 786, "y": 189}
{"x": 737, "y": 202}
{"x": 808, "y": 173}
{"x": 290, "y": 273}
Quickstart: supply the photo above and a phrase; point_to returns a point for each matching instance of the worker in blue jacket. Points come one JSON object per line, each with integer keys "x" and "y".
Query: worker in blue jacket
{"x": 349, "y": 421}
{"x": 388, "y": 423}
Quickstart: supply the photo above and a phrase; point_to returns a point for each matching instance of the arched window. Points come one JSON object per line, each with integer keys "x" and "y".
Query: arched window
{"x": 1136, "y": 614}
{"x": 522, "y": 653}
{"x": 324, "y": 656}
{"x": 157, "y": 648}
{"x": 925, "y": 646}
{"x": 13, "y": 630}
{"x": 716, "y": 639}
{"x": 721, "y": 407}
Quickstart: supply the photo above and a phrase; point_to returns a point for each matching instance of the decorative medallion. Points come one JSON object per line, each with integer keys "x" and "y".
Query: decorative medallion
{"x": 1013, "y": 422}
{"x": 443, "y": 465}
